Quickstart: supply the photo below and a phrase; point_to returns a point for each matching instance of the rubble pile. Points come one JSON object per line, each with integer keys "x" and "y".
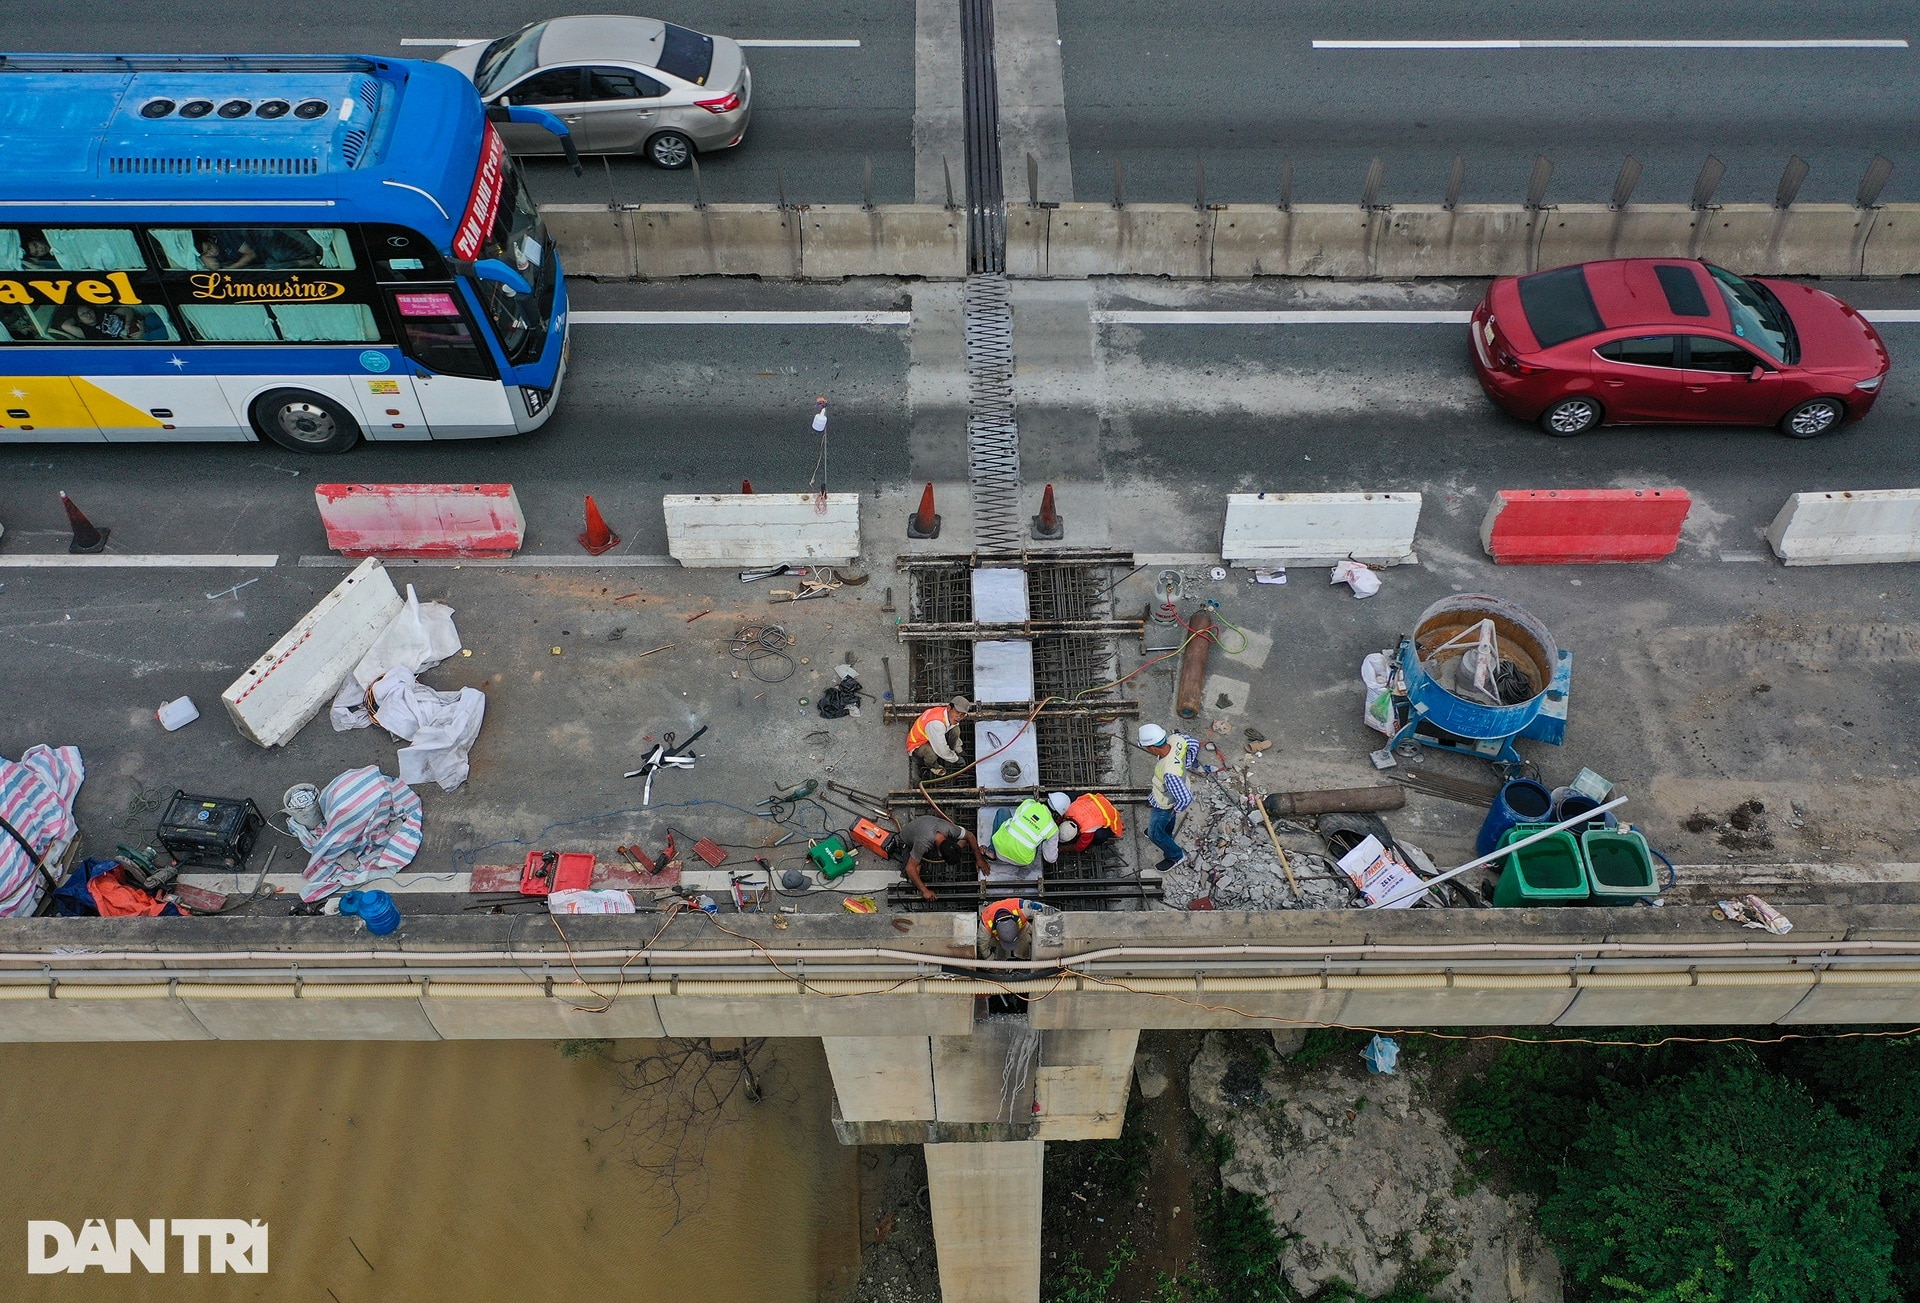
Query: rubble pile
{"x": 1233, "y": 862}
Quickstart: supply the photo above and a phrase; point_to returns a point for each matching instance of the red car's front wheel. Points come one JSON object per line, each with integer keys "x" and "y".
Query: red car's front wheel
{"x": 1814, "y": 417}
{"x": 1571, "y": 416}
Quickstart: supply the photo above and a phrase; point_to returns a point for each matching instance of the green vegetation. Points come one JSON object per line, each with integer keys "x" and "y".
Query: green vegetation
{"x": 1243, "y": 1249}
{"x": 1079, "y": 1283}
{"x": 585, "y": 1048}
{"x": 1714, "y": 1173}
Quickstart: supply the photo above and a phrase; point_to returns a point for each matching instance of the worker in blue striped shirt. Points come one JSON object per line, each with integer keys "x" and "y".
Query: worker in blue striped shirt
{"x": 1175, "y": 755}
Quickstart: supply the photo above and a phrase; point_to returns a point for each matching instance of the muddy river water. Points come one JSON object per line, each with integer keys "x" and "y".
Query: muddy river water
{"x": 446, "y": 1172}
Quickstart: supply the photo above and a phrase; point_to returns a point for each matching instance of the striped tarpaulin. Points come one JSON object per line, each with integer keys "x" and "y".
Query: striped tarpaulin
{"x": 374, "y": 818}
{"x": 36, "y": 797}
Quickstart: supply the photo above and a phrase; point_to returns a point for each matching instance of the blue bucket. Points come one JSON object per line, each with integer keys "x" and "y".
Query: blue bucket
{"x": 375, "y": 908}
{"x": 1569, "y": 804}
{"x": 1520, "y": 801}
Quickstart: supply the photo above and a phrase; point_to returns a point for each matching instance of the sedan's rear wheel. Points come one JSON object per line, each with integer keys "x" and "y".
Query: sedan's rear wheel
{"x": 670, "y": 150}
{"x": 1571, "y": 416}
{"x": 1814, "y": 417}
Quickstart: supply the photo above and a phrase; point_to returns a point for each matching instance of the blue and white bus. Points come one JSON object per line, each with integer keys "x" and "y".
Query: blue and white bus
{"x": 307, "y": 249}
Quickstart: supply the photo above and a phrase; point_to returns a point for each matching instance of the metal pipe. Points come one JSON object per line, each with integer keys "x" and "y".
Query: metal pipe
{"x": 968, "y": 987}
{"x": 1340, "y": 800}
{"x": 1193, "y": 665}
{"x": 1548, "y": 831}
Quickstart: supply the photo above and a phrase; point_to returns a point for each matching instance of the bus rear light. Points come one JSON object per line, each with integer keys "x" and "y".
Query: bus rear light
{"x": 725, "y": 104}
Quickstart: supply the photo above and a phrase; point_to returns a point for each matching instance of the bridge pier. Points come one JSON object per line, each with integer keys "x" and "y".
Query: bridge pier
{"x": 983, "y": 1105}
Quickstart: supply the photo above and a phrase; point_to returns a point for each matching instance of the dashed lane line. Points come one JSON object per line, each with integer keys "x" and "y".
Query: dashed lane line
{"x": 731, "y": 318}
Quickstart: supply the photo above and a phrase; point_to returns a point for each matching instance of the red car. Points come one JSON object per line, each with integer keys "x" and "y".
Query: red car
{"x": 1664, "y": 340}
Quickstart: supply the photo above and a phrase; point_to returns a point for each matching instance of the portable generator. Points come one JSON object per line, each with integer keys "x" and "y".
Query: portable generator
{"x": 211, "y": 831}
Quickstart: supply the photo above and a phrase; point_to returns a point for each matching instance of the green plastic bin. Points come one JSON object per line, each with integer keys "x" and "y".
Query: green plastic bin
{"x": 1619, "y": 865}
{"x": 1552, "y": 871}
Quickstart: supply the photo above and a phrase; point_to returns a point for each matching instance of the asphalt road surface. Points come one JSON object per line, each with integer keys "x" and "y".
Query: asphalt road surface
{"x": 1240, "y": 88}
{"x": 1166, "y": 416}
{"x": 819, "y": 113}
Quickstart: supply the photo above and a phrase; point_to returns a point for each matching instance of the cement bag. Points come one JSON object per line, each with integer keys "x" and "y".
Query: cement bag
{"x": 1376, "y": 674}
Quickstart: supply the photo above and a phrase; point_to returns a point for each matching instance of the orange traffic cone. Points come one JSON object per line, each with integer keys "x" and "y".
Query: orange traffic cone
{"x": 598, "y": 538}
{"x": 924, "y": 523}
{"x": 746, "y": 486}
{"x": 86, "y": 538}
{"x": 1048, "y": 525}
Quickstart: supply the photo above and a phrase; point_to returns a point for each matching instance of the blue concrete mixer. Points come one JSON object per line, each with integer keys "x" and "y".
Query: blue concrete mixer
{"x": 1476, "y": 673}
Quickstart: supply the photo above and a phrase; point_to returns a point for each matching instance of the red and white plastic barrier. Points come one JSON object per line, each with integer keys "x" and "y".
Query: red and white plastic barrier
{"x": 1547, "y": 527}
{"x": 421, "y": 520}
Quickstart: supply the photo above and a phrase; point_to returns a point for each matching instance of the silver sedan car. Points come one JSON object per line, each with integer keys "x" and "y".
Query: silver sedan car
{"x": 622, "y": 85}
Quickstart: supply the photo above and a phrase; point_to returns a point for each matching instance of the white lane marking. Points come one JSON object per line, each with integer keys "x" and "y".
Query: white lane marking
{"x": 742, "y": 318}
{"x": 1835, "y": 43}
{"x": 1361, "y": 317}
{"x": 1309, "y": 317}
{"x": 177, "y": 560}
{"x": 751, "y": 42}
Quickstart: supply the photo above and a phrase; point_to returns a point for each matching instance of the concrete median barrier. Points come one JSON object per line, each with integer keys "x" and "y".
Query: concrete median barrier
{"x": 1858, "y": 527}
{"x": 1228, "y": 241}
{"x": 725, "y": 530}
{"x": 1543, "y": 527}
{"x": 298, "y": 675}
{"x": 1309, "y": 529}
{"x": 594, "y": 240}
{"x": 421, "y": 520}
{"x": 841, "y": 240}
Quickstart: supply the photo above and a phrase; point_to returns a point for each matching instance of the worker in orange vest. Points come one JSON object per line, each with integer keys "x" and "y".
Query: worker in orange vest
{"x": 1007, "y": 927}
{"x": 929, "y": 740}
{"x": 1086, "y": 822}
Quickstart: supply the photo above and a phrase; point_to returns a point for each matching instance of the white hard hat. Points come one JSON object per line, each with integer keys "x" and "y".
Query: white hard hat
{"x": 1069, "y": 830}
{"x": 1152, "y": 735}
{"x": 1059, "y": 802}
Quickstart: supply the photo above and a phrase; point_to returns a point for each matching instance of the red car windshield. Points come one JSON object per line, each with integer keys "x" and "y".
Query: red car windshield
{"x": 1758, "y": 317}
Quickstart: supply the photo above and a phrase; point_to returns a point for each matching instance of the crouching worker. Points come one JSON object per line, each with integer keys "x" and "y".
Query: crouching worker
{"x": 929, "y": 741}
{"x": 1025, "y": 834}
{"x": 931, "y": 838}
{"x": 1007, "y": 928}
{"x": 1086, "y": 822}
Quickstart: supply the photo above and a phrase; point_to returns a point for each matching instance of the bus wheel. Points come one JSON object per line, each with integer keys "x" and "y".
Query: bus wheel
{"x": 304, "y": 422}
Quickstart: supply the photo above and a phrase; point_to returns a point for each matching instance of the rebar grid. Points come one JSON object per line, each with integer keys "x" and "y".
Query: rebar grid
{"x": 941, "y": 595}
{"x": 939, "y": 671}
{"x": 1066, "y": 666}
{"x": 1064, "y": 593}
{"x": 1073, "y": 753}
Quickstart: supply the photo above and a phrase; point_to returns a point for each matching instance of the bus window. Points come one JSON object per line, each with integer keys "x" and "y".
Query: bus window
{"x": 439, "y": 335}
{"x": 403, "y": 255}
{"x": 49, "y": 297}
{"x": 243, "y": 248}
{"x": 267, "y": 323}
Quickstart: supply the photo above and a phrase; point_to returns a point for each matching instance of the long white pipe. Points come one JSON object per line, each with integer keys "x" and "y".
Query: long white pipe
{"x": 1451, "y": 874}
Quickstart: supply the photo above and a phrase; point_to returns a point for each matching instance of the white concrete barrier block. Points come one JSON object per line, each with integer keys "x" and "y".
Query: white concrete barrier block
{"x": 724, "y": 530}
{"x": 285, "y": 688}
{"x": 1318, "y": 529}
{"x": 1848, "y": 527}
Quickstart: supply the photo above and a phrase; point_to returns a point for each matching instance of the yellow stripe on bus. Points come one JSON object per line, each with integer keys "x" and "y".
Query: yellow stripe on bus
{"x": 66, "y": 403}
